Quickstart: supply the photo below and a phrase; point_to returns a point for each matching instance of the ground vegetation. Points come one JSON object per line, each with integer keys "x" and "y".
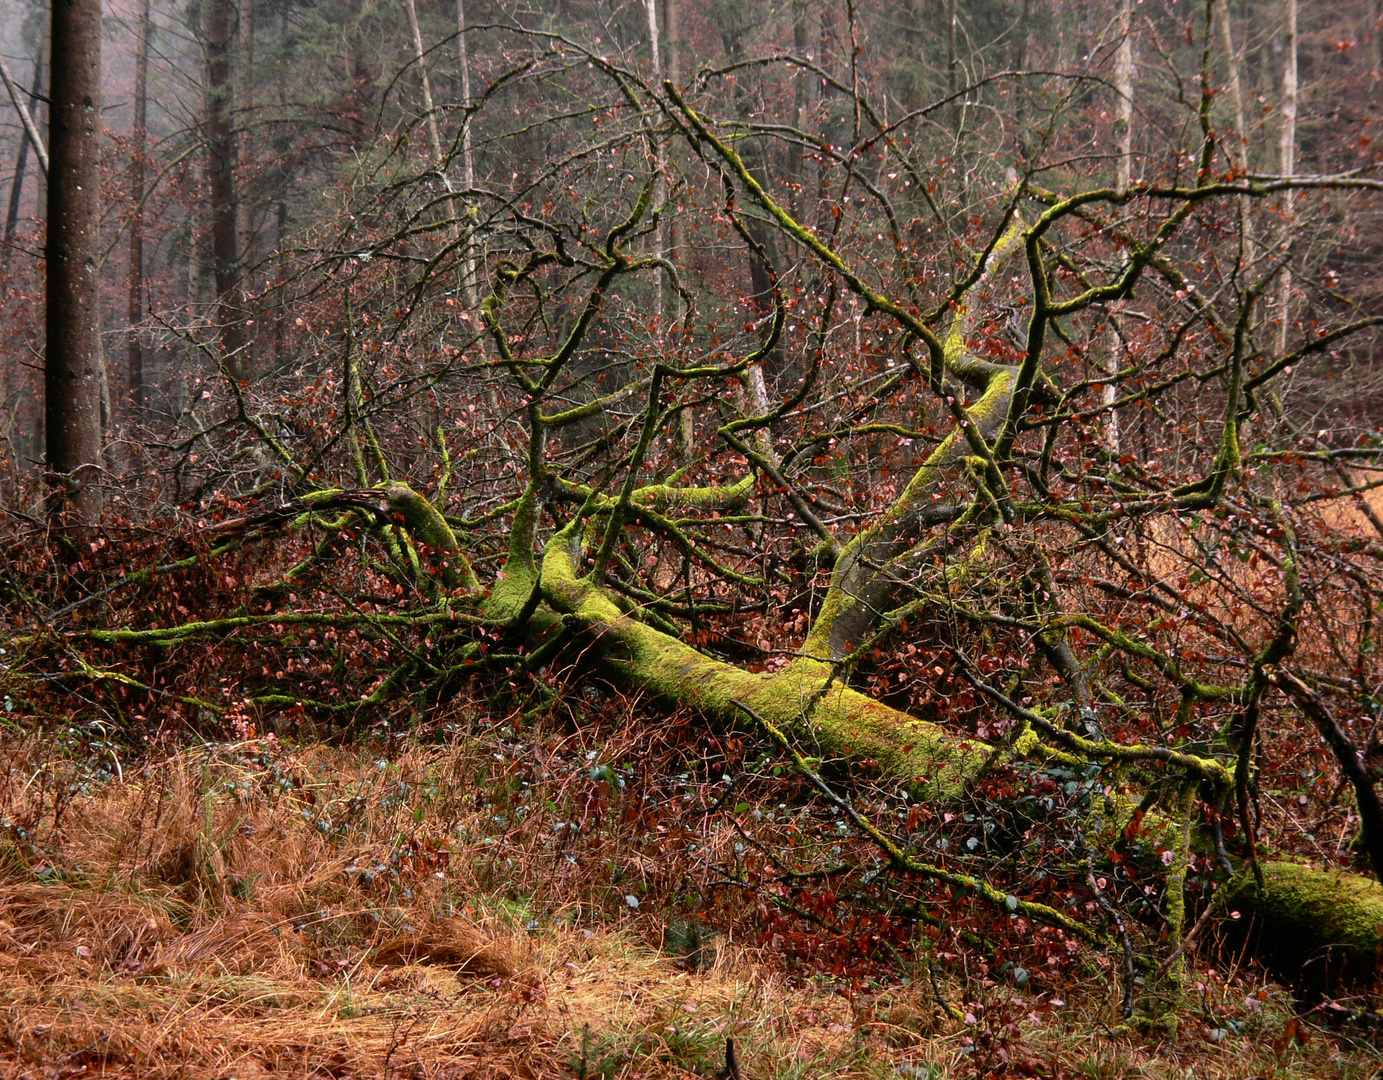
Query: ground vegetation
{"x": 972, "y": 448}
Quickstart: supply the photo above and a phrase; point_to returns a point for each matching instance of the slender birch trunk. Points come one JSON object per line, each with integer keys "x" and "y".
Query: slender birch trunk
{"x": 221, "y": 155}
{"x": 800, "y": 106}
{"x": 22, "y": 160}
{"x": 1123, "y": 176}
{"x": 1287, "y": 166}
{"x": 469, "y": 285}
{"x": 420, "y": 55}
{"x": 451, "y": 230}
{"x": 244, "y": 208}
{"x": 659, "y": 188}
{"x": 1238, "y": 146}
{"x": 953, "y": 66}
{"x": 672, "y": 71}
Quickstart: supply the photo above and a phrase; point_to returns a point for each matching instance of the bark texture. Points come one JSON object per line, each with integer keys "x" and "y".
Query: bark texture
{"x": 74, "y": 374}
{"x": 135, "y": 284}
{"x": 221, "y": 155}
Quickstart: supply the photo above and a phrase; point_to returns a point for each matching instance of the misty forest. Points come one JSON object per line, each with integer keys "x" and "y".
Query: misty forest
{"x": 635, "y": 538}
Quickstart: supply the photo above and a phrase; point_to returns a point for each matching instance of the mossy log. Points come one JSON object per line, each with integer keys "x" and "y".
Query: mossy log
{"x": 800, "y": 699}
{"x": 1326, "y": 925}
{"x": 1315, "y": 929}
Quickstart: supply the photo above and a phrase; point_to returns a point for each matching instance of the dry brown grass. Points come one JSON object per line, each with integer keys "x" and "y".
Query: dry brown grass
{"x": 198, "y": 918}
{"x": 243, "y": 910}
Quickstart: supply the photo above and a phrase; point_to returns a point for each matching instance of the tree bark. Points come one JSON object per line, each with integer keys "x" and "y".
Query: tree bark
{"x": 430, "y": 111}
{"x": 1287, "y": 163}
{"x": 221, "y": 155}
{"x": 1123, "y": 176}
{"x": 469, "y": 284}
{"x": 135, "y": 281}
{"x": 244, "y": 207}
{"x": 801, "y": 105}
{"x": 659, "y": 188}
{"x": 74, "y": 374}
{"x": 953, "y": 67}
{"x": 1238, "y": 147}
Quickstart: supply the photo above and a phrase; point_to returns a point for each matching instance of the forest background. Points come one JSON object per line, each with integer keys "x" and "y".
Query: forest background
{"x": 559, "y": 537}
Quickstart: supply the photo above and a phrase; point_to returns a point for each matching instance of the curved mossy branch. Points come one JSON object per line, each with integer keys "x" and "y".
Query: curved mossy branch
{"x": 808, "y": 239}
{"x": 766, "y": 464}
{"x": 905, "y": 863}
{"x": 841, "y": 720}
{"x": 175, "y": 635}
{"x": 85, "y": 670}
{"x": 514, "y": 596}
{"x": 425, "y": 524}
{"x": 377, "y": 696}
{"x": 1204, "y": 768}
{"x": 862, "y": 586}
{"x": 1008, "y": 244}
{"x": 642, "y": 508}
{"x": 1340, "y": 911}
{"x": 715, "y": 496}
{"x": 619, "y": 508}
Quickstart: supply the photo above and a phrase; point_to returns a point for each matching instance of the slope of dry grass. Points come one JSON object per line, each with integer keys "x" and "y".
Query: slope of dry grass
{"x": 248, "y": 910}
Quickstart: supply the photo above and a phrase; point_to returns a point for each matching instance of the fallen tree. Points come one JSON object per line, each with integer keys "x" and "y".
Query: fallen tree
{"x": 918, "y": 540}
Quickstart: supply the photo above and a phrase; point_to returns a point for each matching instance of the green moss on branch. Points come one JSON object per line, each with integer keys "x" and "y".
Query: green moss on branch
{"x": 1317, "y": 927}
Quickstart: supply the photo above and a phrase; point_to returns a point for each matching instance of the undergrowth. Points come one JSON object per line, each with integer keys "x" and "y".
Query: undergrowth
{"x": 613, "y": 897}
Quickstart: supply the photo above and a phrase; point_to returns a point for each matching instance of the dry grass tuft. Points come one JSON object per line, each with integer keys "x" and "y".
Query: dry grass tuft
{"x": 448, "y": 943}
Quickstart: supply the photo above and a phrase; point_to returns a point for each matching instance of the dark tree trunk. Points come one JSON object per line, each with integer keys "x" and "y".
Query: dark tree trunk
{"x": 220, "y": 139}
{"x": 244, "y": 220}
{"x": 73, "y": 372}
{"x": 135, "y": 355}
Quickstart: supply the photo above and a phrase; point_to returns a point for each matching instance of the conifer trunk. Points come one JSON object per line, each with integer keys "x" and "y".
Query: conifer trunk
{"x": 74, "y": 374}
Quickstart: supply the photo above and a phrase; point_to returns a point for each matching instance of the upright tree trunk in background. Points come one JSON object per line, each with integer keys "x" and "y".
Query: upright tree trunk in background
{"x": 22, "y": 160}
{"x": 1238, "y": 146}
{"x": 220, "y": 140}
{"x": 135, "y": 354}
{"x": 1287, "y": 165}
{"x": 659, "y": 188}
{"x": 43, "y": 79}
{"x": 801, "y": 104}
{"x": 469, "y": 285}
{"x": 361, "y": 96}
{"x": 433, "y": 133}
{"x": 452, "y": 231}
{"x": 1377, "y": 41}
{"x": 953, "y": 66}
{"x": 672, "y": 70}
{"x": 1123, "y": 176}
{"x": 73, "y": 369}
{"x": 1123, "y": 86}
{"x": 244, "y": 206}
{"x": 1020, "y": 89}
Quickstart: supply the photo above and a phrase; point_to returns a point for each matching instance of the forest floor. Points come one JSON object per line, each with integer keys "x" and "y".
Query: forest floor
{"x": 250, "y": 910}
